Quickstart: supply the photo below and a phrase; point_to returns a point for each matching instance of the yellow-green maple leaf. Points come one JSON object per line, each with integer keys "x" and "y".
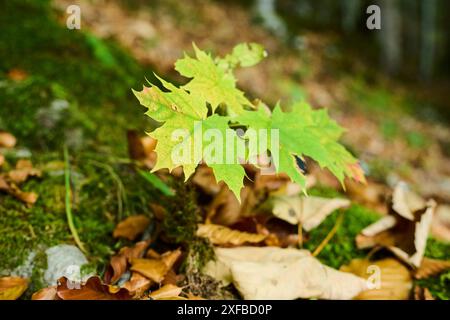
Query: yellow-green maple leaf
{"x": 179, "y": 109}
{"x": 211, "y": 82}
{"x": 303, "y": 132}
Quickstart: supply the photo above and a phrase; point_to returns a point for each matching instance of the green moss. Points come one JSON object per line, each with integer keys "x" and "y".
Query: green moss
{"x": 439, "y": 285}
{"x": 93, "y": 78}
{"x": 182, "y": 216}
{"x": 341, "y": 249}
{"x": 78, "y": 93}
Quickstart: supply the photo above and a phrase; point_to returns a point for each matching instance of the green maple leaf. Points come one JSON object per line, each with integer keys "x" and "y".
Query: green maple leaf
{"x": 181, "y": 110}
{"x": 303, "y": 132}
{"x": 213, "y": 82}
{"x": 184, "y": 111}
{"x": 244, "y": 55}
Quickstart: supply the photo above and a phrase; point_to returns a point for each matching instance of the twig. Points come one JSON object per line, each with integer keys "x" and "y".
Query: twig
{"x": 300, "y": 235}
{"x": 330, "y": 235}
{"x": 72, "y": 228}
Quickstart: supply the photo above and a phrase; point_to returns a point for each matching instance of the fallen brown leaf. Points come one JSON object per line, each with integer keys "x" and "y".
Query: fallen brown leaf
{"x": 431, "y": 267}
{"x": 222, "y": 235}
{"x": 11, "y": 288}
{"x": 171, "y": 257}
{"x": 153, "y": 269}
{"x": 158, "y": 211}
{"x": 2, "y": 159}
{"x": 440, "y": 227}
{"x": 118, "y": 264}
{"x": 166, "y": 291}
{"x": 309, "y": 211}
{"x": 405, "y": 230}
{"x": 142, "y": 148}
{"x": 24, "y": 169}
{"x": 7, "y": 140}
{"x": 395, "y": 278}
{"x": 93, "y": 289}
{"x": 371, "y": 195}
{"x": 45, "y": 294}
{"x": 131, "y": 227}
{"x": 137, "y": 284}
{"x": 276, "y": 273}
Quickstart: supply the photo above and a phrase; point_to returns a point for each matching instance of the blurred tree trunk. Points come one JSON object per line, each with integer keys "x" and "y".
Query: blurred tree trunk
{"x": 390, "y": 35}
{"x": 427, "y": 38}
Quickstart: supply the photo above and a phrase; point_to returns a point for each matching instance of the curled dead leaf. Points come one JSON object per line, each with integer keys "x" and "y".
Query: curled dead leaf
{"x": 158, "y": 211}
{"x": 45, "y": 294}
{"x": 431, "y": 267}
{"x": 171, "y": 257}
{"x": 11, "y": 288}
{"x": 222, "y": 235}
{"x": 131, "y": 227}
{"x": 24, "y": 169}
{"x": 138, "y": 284}
{"x": 93, "y": 289}
{"x": 142, "y": 148}
{"x": 166, "y": 291}
{"x": 391, "y": 280}
{"x": 153, "y": 269}
{"x": 309, "y": 211}
{"x": 405, "y": 230}
{"x": 118, "y": 264}
{"x": 276, "y": 273}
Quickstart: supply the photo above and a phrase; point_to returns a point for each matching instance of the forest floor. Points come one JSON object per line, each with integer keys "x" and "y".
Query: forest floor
{"x": 72, "y": 88}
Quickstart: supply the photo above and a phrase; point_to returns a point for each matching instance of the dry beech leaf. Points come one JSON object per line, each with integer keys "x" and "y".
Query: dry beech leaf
{"x": 118, "y": 264}
{"x": 172, "y": 278}
{"x": 440, "y": 227}
{"x": 405, "y": 230}
{"x": 431, "y": 267}
{"x": 222, "y": 235}
{"x": 395, "y": 278}
{"x": 93, "y": 289}
{"x": 11, "y": 288}
{"x": 371, "y": 195}
{"x": 142, "y": 148}
{"x": 276, "y": 273}
{"x": 309, "y": 211}
{"x": 131, "y": 227}
{"x": 153, "y": 269}
{"x": 152, "y": 254}
{"x": 171, "y": 257}
{"x": 45, "y": 294}
{"x": 225, "y": 208}
{"x": 204, "y": 178}
{"x": 158, "y": 211}
{"x": 137, "y": 284}
{"x": 166, "y": 291}
{"x": 7, "y": 140}
{"x": 24, "y": 169}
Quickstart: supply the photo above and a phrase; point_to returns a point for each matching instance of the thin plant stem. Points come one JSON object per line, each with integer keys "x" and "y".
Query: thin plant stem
{"x": 330, "y": 235}
{"x": 69, "y": 216}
